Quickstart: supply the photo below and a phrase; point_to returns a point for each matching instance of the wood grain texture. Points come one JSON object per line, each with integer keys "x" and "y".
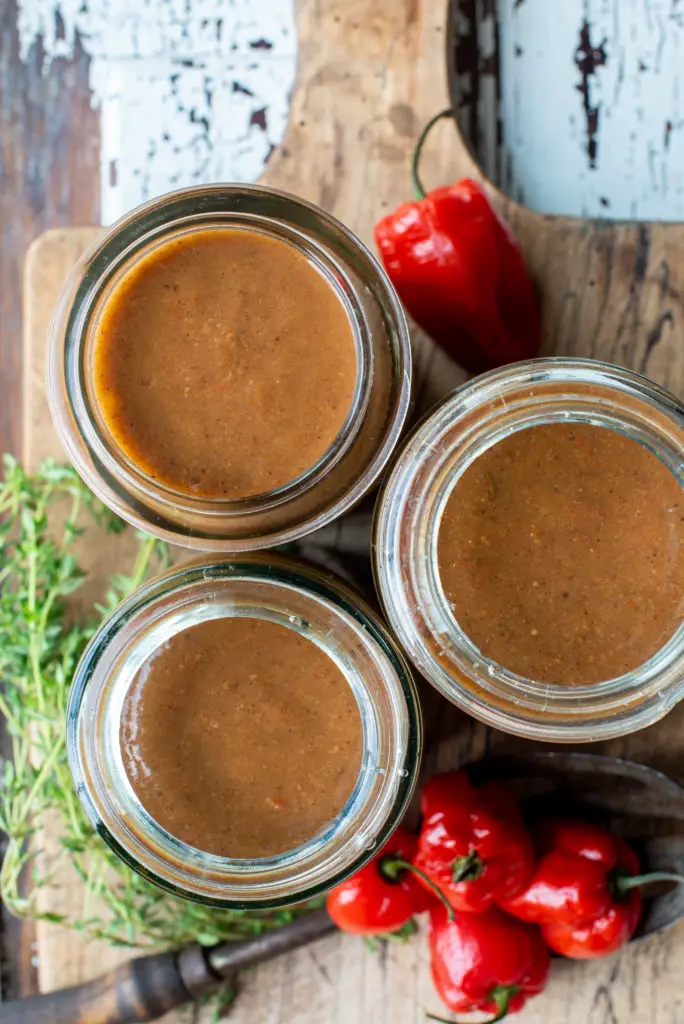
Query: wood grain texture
{"x": 48, "y": 175}
{"x": 371, "y": 71}
{"x": 49, "y": 146}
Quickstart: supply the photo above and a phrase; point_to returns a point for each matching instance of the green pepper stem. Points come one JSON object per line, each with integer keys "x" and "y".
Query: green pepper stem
{"x": 415, "y": 176}
{"x": 391, "y": 866}
{"x": 500, "y": 996}
{"x": 466, "y": 868}
{"x": 625, "y": 883}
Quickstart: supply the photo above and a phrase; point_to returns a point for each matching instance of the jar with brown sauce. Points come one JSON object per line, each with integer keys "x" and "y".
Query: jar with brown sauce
{"x": 229, "y": 368}
{"x": 244, "y": 733}
{"x": 529, "y": 549}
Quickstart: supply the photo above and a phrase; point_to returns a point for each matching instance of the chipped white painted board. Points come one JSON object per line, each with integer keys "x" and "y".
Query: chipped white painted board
{"x": 188, "y": 92}
{"x": 592, "y": 106}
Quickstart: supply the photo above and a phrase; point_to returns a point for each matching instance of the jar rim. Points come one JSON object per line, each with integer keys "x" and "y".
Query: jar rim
{"x": 301, "y": 505}
{"x": 388, "y": 705}
{"x": 408, "y": 513}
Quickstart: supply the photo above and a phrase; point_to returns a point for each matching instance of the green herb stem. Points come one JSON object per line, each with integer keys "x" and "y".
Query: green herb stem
{"x": 41, "y": 518}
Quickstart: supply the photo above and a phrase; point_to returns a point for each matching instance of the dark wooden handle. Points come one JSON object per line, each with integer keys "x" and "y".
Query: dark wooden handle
{"x": 148, "y": 987}
{"x": 141, "y": 990}
{"x": 231, "y": 957}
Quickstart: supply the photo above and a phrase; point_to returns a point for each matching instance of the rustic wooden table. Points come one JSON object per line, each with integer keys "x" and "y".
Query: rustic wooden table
{"x": 49, "y": 141}
{"x": 609, "y": 291}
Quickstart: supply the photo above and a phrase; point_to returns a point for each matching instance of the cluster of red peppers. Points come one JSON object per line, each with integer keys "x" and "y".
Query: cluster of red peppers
{"x": 460, "y": 273}
{"x": 499, "y": 898}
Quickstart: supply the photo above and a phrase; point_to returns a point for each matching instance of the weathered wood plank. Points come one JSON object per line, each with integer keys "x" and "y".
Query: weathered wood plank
{"x": 49, "y": 141}
{"x": 186, "y": 93}
{"x": 575, "y": 107}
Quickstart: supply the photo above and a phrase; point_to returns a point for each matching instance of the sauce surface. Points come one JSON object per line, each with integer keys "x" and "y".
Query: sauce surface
{"x": 560, "y": 553}
{"x": 224, "y": 364}
{"x": 241, "y": 737}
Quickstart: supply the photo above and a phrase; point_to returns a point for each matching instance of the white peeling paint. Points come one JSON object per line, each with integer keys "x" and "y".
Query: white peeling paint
{"x": 190, "y": 91}
{"x": 638, "y": 94}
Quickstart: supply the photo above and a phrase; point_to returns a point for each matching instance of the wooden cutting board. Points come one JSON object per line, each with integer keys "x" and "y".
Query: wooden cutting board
{"x": 371, "y": 73}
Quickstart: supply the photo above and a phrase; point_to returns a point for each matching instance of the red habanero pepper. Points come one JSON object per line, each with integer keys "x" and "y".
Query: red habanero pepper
{"x": 488, "y": 962}
{"x": 585, "y": 891}
{"x": 599, "y": 937}
{"x": 460, "y": 273}
{"x": 473, "y": 844}
{"x": 385, "y": 894}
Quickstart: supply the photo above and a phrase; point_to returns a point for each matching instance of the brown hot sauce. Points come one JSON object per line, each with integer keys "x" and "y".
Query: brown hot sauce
{"x": 224, "y": 364}
{"x": 241, "y": 737}
{"x": 561, "y": 553}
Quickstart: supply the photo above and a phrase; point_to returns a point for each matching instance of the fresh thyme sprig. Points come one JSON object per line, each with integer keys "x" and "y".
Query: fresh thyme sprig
{"x": 41, "y": 518}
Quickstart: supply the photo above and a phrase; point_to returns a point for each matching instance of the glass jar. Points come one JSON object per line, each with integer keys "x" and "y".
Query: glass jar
{"x": 408, "y": 515}
{"x": 350, "y": 466}
{"x": 316, "y": 605}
